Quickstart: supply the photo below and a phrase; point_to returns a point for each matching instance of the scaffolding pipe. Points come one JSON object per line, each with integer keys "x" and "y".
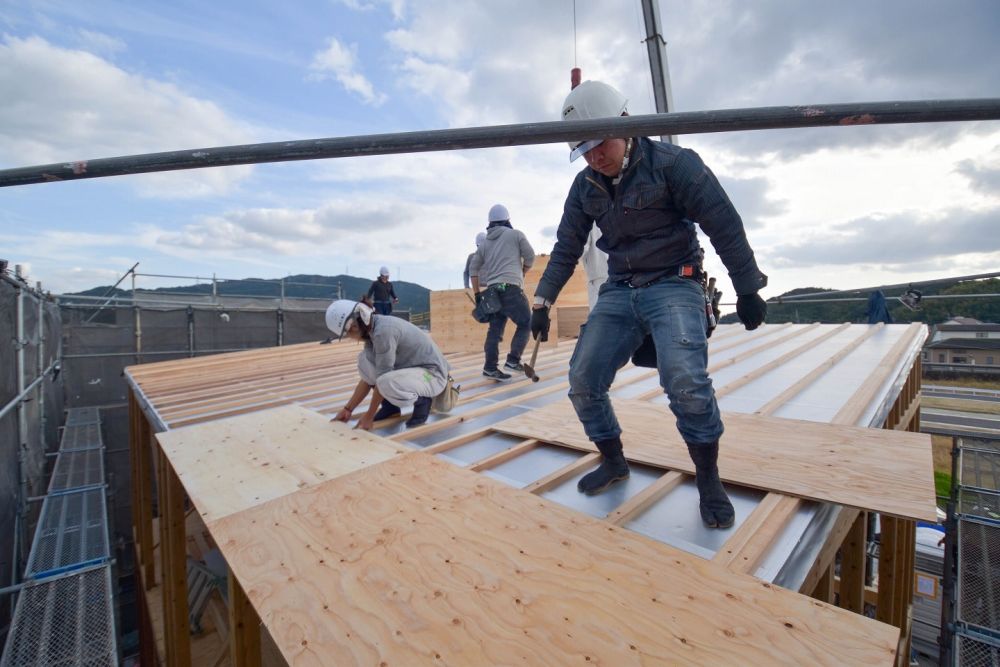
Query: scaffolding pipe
{"x": 917, "y": 283}
{"x": 40, "y": 368}
{"x": 22, "y": 430}
{"x": 790, "y": 301}
{"x": 524, "y": 134}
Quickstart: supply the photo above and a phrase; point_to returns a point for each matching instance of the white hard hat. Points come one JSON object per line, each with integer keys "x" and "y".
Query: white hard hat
{"x": 383, "y": 270}
{"x": 339, "y": 313}
{"x": 589, "y": 100}
{"x": 499, "y": 213}
{"x": 480, "y": 237}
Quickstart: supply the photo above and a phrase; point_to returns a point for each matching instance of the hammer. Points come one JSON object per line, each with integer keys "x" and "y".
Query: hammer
{"x": 529, "y": 368}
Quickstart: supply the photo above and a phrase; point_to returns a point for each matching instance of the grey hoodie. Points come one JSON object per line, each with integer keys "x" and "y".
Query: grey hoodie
{"x": 502, "y": 258}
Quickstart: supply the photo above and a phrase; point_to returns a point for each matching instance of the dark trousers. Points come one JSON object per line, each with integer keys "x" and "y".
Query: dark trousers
{"x": 514, "y": 305}
{"x": 383, "y": 307}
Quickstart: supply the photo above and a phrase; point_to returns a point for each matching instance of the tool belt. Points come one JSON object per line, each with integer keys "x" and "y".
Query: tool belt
{"x": 690, "y": 271}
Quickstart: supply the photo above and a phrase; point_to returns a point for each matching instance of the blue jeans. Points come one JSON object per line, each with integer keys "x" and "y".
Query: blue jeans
{"x": 672, "y": 310}
{"x": 514, "y": 305}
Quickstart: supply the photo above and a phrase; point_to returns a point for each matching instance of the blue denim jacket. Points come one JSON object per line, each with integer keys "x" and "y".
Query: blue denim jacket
{"x": 647, "y": 221}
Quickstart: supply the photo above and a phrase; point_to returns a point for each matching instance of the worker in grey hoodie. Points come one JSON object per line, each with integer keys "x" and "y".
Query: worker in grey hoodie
{"x": 499, "y": 264}
{"x": 399, "y": 362}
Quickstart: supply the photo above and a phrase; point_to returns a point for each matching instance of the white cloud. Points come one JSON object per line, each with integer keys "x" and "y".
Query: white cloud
{"x": 98, "y": 42}
{"x": 64, "y": 105}
{"x": 340, "y": 62}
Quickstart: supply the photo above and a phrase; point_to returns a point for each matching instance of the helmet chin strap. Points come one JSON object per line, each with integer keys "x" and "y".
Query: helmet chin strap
{"x": 625, "y": 160}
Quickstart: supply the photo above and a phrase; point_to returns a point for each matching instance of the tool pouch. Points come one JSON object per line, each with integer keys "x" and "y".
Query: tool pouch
{"x": 487, "y": 304}
{"x": 447, "y": 399}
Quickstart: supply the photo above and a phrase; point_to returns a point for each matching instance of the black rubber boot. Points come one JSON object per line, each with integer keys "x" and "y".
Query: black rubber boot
{"x": 613, "y": 467}
{"x": 421, "y": 410}
{"x": 386, "y": 410}
{"x": 716, "y": 510}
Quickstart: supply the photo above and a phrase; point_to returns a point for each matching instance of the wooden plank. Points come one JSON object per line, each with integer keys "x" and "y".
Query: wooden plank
{"x": 143, "y": 511}
{"x": 828, "y": 553}
{"x": 771, "y": 406}
{"x": 418, "y": 562}
{"x": 716, "y": 361}
{"x": 853, "y": 554}
{"x": 174, "y": 553}
{"x": 557, "y": 477}
{"x": 748, "y": 553}
{"x": 862, "y": 398}
{"x": 752, "y": 525}
{"x": 244, "y": 624}
{"x": 641, "y": 501}
{"x": 504, "y": 456}
{"x": 824, "y": 588}
{"x": 230, "y": 464}
{"x": 764, "y": 369}
{"x": 885, "y": 471}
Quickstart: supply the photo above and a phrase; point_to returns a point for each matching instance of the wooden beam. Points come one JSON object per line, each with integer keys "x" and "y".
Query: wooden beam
{"x": 143, "y": 511}
{"x": 853, "y": 554}
{"x": 641, "y": 501}
{"x": 771, "y": 406}
{"x": 559, "y": 476}
{"x": 824, "y": 587}
{"x": 504, "y": 456}
{"x": 754, "y": 540}
{"x": 174, "y": 557}
{"x": 764, "y": 369}
{"x": 828, "y": 553}
{"x": 244, "y": 627}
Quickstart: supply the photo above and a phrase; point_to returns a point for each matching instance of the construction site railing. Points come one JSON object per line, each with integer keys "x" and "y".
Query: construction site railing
{"x": 680, "y": 123}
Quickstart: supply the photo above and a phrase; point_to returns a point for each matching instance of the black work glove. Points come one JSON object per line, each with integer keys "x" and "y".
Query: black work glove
{"x": 751, "y": 310}
{"x": 540, "y": 323}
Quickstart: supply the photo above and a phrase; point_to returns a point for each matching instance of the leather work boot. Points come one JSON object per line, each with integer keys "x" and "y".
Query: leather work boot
{"x": 613, "y": 467}
{"x": 421, "y": 410}
{"x": 386, "y": 410}
{"x": 716, "y": 510}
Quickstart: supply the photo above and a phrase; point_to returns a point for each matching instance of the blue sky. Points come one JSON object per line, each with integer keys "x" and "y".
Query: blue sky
{"x": 830, "y": 207}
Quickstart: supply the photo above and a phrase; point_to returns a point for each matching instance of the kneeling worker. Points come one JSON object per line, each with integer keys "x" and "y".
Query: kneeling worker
{"x": 399, "y": 361}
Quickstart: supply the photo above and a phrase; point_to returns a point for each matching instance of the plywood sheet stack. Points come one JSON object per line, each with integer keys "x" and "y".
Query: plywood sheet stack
{"x": 454, "y": 330}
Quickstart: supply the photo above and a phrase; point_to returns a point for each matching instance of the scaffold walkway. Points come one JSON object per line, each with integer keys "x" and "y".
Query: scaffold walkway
{"x": 976, "y": 497}
{"x": 65, "y": 612}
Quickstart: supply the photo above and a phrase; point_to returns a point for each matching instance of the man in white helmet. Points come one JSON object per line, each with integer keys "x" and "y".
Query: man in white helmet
{"x": 500, "y": 264}
{"x": 480, "y": 237}
{"x": 646, "y": 197}
{"x": 381, "y": 292}
{"x": 399, "y": 362}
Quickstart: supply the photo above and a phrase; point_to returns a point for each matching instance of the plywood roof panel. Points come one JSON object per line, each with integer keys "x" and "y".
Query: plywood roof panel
{"x": 414, "y": 561}
{"x": 873, "y": 469}
{"x": 231, "y": 464}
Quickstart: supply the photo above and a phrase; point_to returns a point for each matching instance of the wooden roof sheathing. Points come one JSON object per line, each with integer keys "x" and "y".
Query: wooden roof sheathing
{"x": 845, "y": 465}
{"x": 414, "y": 561}
{"x": 841, "y": 374}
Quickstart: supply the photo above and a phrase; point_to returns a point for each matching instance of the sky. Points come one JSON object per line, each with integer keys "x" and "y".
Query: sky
{"x": 843, "y": 207}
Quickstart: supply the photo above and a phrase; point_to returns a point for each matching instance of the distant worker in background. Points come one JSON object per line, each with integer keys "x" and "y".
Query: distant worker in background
{"x": 399, "y": 362}
{"x": 381, "y": 292}
{"x": 646, "y": 197}
{"x": 480, "y": 237}
{"x": 500, "y": 264}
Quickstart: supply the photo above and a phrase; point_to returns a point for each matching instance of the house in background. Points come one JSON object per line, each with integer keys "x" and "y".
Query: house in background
{"x": 963, "y": 341}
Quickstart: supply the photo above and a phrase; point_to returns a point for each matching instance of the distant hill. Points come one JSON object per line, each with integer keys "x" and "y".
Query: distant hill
{"x": 931, "y": 312}
{"x": 412, "y": 297}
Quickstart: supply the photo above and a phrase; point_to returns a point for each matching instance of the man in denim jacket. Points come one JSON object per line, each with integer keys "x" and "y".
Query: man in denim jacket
{"x": 646, "y": 196}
